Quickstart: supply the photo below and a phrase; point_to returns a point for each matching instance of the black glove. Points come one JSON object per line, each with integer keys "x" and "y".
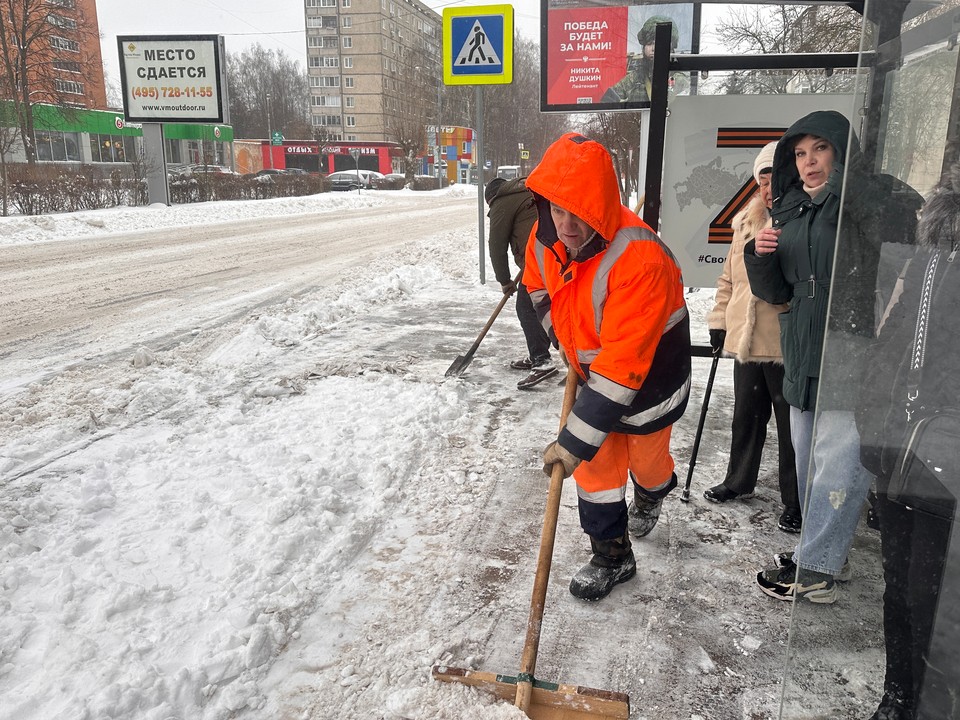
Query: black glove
{"x": 716, "y": 340}
{"x": 508, "y": 288}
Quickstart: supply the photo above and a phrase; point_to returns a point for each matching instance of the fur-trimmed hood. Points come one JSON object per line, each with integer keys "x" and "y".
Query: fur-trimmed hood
{"x": 752, "y": 325}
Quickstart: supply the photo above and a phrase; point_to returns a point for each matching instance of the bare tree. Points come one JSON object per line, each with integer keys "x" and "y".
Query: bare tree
{"x": 39, "y": 43}
{"x": 265, "y": 81}
{"x": 325, "y": 139}
{"x": 789, "y": 29}
{"x": 410, "y": 134}
{"x": 512, "y": 112}
{"x": 9, "y": 138}
{"x": 415, "y": 108}
{"x": 619, "y": 132}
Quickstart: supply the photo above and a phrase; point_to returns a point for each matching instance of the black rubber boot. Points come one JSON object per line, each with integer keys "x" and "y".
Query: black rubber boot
{"x": 896, "y": 704}
{"x": 644, "y": 511}
{"x": 612, "y": 563}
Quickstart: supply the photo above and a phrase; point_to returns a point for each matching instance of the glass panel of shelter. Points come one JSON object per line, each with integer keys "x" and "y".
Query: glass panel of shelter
{"x": 892, "y": 638}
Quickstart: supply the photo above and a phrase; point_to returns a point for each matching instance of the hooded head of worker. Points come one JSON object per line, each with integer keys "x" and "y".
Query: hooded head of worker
{"x": 493, "y": 187}
{"x": 577, "y": 194}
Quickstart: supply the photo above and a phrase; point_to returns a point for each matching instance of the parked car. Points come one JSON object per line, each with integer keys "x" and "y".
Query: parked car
{"x": 295, "y": 171}
{"x": 266, "y": 175}
{"x": 353, "y": 179}
{"x": 390, "y": 181}
{"x": 177, "y": 171}
{"x": 398, "y": 181}
{"x": 200, "y": 169}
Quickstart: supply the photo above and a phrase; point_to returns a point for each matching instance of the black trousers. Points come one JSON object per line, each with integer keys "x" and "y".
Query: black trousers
{"x": 538, "y": 344}
{"x": 758, "y": 394}
{"x": 921, "y": 663}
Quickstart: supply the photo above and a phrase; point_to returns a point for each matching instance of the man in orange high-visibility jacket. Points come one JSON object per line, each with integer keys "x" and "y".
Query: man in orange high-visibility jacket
{"x": 610, "y": 293}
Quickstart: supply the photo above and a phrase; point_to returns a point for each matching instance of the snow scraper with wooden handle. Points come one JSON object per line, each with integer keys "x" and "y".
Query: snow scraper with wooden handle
{"x": 460, "y": 364}
{"x": 538, "y": 699}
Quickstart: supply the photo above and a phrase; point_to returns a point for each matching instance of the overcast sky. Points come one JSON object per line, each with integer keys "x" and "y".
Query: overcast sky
{"x": 277, "y": 24}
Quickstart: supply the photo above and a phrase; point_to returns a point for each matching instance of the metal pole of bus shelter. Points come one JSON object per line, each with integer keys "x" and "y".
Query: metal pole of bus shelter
{"x": 658, "y": 125}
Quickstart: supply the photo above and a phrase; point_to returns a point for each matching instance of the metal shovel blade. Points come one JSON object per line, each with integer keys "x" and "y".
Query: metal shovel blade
{"x": 549, "y": 701}
{"x": 458, "y": 365}
{"x": 462, "y": 361}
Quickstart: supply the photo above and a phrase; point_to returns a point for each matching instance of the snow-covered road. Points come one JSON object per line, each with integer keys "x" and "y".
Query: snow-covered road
{"x": 81, "y": 299}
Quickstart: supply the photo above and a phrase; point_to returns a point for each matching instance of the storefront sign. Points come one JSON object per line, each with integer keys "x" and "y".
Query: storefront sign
{"x": 338, "y": 150}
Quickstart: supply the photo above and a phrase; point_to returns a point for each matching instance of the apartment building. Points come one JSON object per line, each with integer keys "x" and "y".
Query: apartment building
{"x": 61, "y": 39}
{"x": 75, "y": 36}
{"x": 372, "y": 64}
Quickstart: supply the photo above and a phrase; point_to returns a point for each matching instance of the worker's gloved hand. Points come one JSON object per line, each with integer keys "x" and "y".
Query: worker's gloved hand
{"x": 509, "y": 288}
{"x": 555, "y": 453}
{"x": 716, "y": 340}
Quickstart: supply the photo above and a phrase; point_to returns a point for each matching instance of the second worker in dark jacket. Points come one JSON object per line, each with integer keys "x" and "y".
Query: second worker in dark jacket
{"x": 512, "y": 215}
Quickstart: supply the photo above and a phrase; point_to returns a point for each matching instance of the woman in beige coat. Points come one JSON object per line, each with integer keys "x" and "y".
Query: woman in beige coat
{"x": 746, "y": 328}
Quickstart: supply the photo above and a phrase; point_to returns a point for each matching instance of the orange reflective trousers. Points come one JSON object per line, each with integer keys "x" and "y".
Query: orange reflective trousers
{"x": 647, "y": 456}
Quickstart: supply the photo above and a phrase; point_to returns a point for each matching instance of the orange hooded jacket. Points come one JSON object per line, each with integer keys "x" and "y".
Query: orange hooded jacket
{"x": 617, "y": 308}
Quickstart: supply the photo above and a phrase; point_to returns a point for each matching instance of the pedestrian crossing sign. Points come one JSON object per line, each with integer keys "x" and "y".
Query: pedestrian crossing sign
{"x": 478, "y": 45}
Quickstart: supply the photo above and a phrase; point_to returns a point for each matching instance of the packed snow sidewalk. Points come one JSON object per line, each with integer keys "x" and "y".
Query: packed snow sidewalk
{"x": 297, "y": 517}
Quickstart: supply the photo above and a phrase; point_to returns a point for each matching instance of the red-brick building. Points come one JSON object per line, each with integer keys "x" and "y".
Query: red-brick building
{"x": 62, "y": 42}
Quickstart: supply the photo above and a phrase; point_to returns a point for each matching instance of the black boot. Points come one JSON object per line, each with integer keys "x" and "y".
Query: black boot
{"x": 612, "y": 563}
{"x": 894, "y": 705}
{"x": 644, "y": 511}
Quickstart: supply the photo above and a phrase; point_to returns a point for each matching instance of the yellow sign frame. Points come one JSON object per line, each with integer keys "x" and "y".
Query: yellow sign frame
{"x": 505, "y": 77}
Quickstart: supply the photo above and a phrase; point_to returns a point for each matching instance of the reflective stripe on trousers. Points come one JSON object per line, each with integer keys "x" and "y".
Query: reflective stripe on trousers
{"x": 602, "y": 482}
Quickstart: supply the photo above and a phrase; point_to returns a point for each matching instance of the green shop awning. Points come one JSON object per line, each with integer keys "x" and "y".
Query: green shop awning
{"x": 106, "y": 122}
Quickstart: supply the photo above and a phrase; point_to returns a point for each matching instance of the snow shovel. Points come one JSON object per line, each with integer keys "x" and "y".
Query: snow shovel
{"x": 460, "y": 364}
{"x": 685, "y": 495}
{"x": 542, "y": 700}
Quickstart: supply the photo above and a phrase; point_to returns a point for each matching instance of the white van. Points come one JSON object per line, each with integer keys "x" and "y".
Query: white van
{"x": 508, "y": 172}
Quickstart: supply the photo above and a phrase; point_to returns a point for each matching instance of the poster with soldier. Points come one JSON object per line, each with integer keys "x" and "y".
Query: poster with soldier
{"x": 599, "y": 53}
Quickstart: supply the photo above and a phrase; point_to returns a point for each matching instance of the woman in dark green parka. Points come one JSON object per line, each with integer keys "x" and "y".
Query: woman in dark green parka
{"x": 811, "y": 244}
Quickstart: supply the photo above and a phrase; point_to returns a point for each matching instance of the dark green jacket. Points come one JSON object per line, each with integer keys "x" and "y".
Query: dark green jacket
{"x": 512, "y": 215}
{"x": 802, "y": 273}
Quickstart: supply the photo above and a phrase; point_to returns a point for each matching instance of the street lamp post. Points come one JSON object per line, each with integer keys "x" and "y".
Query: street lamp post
{"x": 269, "y": 134}
{"x": 436, "y": 159}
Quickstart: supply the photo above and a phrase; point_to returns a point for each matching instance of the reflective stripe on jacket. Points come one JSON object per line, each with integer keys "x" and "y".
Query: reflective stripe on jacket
{"x": 617, "y": 308}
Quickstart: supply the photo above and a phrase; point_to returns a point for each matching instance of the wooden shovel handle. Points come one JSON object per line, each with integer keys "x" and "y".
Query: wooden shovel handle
{"x": 486, "y": 328}
{"x": 528, "y": 663}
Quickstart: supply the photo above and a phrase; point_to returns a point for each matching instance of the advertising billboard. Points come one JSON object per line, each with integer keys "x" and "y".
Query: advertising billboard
{"x": 172, "y": 78}
{"x": 598, "y": 54}
{"x": 708, "y": 154}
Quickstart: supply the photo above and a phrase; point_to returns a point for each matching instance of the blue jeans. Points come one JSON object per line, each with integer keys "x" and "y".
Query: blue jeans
{"x": 834, "y": 499}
